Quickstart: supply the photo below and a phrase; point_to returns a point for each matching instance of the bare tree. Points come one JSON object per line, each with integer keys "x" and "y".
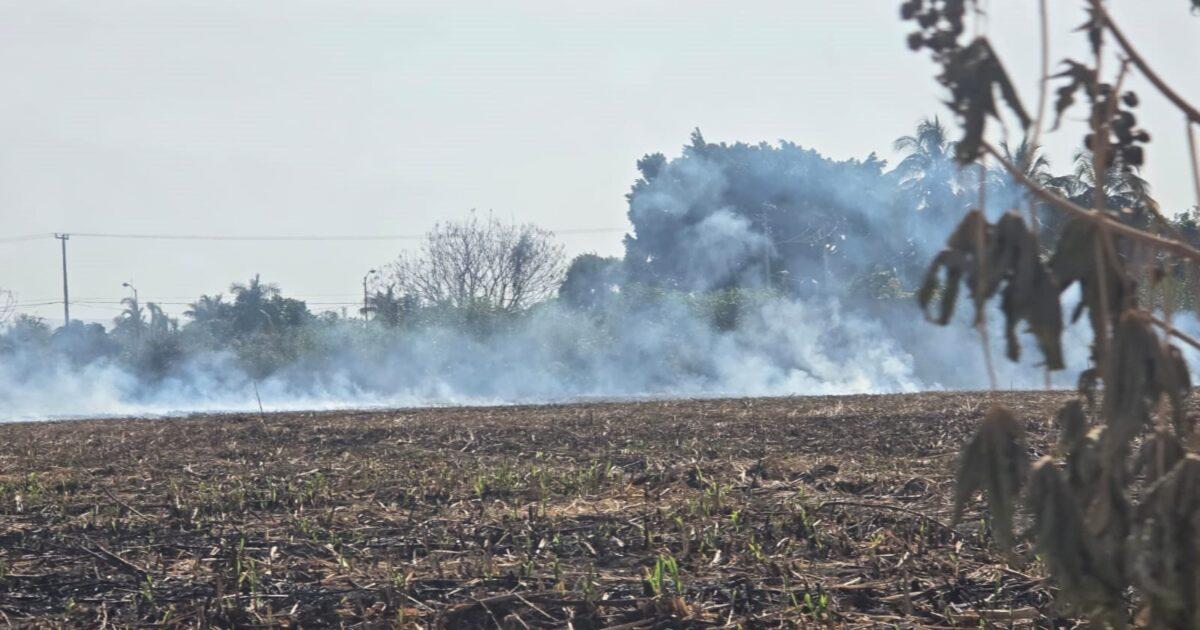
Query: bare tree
{"x": 481, "y": 263}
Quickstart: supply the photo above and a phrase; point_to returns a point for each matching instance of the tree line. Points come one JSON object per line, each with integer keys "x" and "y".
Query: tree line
{"x": 721, "y": 225}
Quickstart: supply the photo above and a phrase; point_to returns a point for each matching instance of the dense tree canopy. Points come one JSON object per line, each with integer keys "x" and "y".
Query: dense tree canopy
{"x": 590, "y": 281}
{"x": 782, "y": 216}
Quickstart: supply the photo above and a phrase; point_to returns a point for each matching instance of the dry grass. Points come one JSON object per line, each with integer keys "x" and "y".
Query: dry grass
{"x": 776, "y": 512}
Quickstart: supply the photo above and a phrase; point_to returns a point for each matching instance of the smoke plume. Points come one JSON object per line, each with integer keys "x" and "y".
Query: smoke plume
{"x": 751, "y": 270}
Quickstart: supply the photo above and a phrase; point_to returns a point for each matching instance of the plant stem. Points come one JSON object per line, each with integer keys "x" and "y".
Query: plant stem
{"x": 1191, "y": 137}
{"x": 1189, "y": 110}
{"x": 1179, "y": 248}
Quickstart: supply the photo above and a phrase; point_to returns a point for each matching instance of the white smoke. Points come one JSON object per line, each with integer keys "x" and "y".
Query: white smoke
{"x": 658, "y": 348}
{"x": 822, "y": 342}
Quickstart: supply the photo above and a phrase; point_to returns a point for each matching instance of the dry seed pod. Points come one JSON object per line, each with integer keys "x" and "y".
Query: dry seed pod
{"x": 994, "y": 461}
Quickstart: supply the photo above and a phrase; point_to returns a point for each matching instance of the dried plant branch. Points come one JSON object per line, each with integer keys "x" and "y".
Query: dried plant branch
{"x": 1044, "y": 22}
{"x": 1191, "y": 138}
{"x": 1035, "y": 136}
{"x": 1101, "y": 331}
{"x": 1173, "y": 331}
{"x": 1178, "y": 248}
{"x": 1189, "y": 110}
{"x": 1165, "y": 223}
{"x": 1101, "y": 126}
{"x": 981, "y": 291}
{"x": 1102, "y": 530}
{"x": 1101, "y": 129}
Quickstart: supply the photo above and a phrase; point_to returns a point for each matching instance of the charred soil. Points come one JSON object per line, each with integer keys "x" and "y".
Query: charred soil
{"x": 776, "y": 512}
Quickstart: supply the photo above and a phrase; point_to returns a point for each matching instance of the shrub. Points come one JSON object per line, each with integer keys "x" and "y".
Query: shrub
{"x": 1116, "y": 508}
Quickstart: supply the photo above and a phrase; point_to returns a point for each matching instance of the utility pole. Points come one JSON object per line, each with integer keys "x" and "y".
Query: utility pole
{"x": 66, "y": 295}
{"x": 762, "y": 216}
{"x": 137, "y": 310}
{"x": 366, "y": 302}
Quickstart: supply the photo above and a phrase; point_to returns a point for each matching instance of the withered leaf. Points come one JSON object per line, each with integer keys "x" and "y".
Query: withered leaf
{"x": 1165, "y": 554}
{"x": 1075, "y": 258}
{"x": 1089, "y": 385}
{"x": 1082, "y": 77}
{"x": 1030, "y": 294}
{"x": 973, "y": 74}
{"x": 1072, "y": 426}
{"x": 1107, "y": 512}
{"x": 986, "y": 257}
{"x": 1159, "y": 454}
{"x": 954, "y": 263}
{"x": 1068, "y": 548}
{"x": 1094, "y": 27}
{"x": 1141, "y": 371}
{"x": 1085, "y": 466}
{"x": 994, "y": 461}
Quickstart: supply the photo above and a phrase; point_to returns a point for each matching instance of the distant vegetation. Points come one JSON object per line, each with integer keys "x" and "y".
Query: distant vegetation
{"x": 721, "y": 228}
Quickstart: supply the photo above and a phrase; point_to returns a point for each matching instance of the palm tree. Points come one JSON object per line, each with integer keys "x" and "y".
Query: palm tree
{"x": 208, "y": 308}
{"x": 1012, "y": 195}
{"x": 131, "y": 320}
{"x": 1030, "y": 158}
{"x": 928, "y": 169}
{"x": 250, "y": 302}
{"x": 389, "y": 308}
{"x": 927, "y": 150}
{"x": 160, "y": 323}
{"x": 255, "y": 289}
{"x": 1123, "y": 187}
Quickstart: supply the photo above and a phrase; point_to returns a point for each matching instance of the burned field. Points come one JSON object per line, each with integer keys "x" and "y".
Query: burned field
{"x": 759, "y": 512}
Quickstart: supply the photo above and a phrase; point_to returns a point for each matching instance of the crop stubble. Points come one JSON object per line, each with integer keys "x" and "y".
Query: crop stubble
{"x": 778, "y": 512}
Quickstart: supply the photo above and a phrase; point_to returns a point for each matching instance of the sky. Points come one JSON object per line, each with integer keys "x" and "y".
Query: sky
{"x": 290, "y": 118}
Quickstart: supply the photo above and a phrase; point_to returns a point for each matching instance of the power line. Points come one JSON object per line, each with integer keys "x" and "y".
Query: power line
{"x": 25, "y": 237}
{"x": 216, "y": 237}
{"x": 162, "y": 302}
{"x": 264, "y": 237}
{"x": 98, "y": 303}
{"x": 163, "y": 299}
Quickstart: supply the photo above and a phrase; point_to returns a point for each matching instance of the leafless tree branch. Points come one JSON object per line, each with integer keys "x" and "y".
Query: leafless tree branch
{"x": 482, "y": 263}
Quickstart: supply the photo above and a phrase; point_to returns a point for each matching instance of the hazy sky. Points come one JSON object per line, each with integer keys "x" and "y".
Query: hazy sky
{"x": 303, "y": 118}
